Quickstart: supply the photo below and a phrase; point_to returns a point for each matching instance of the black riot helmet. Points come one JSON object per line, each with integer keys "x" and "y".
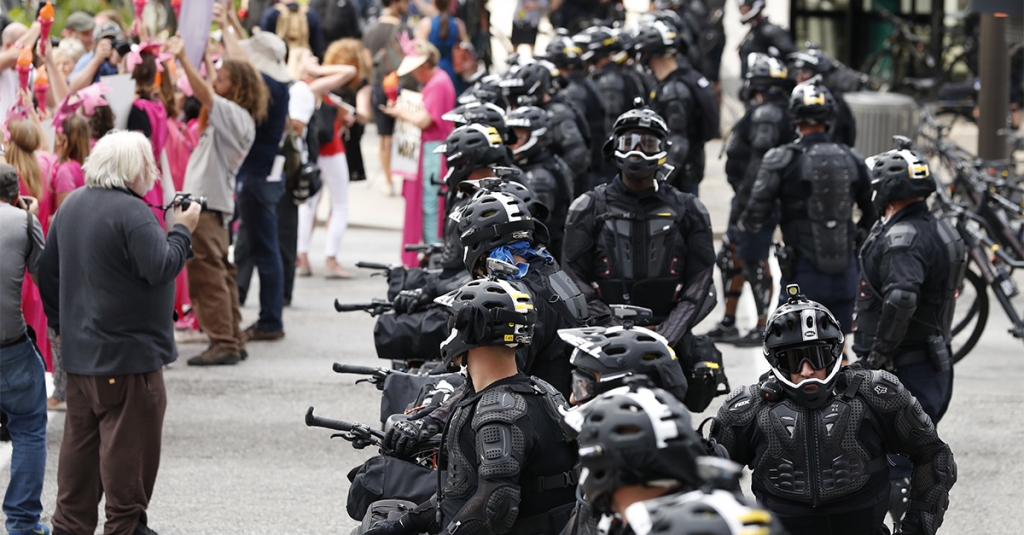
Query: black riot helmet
{"x": 756, "y": 7}
{"x": 635, "y": 435}
{"x": 638, "y": 142}
{"x": 486, "y": 89}
{"x": 813, "y": 61}
{"x": 536, "y": 121}
{"x": 801, "y": 330}
{"x": 715, "y": 512}
{"x": 597, "y": 42}
{"x": 490, "y": 220}
{"x": 486, "y": 313}
{"x": 812, "y": 103}
{"x": 765, "y": 74}
{"x": 526, "y": 84}
{"x": 657, "y": 39}
{"x": 472, "y": 147}
{"x": 604, "y": 357}
{"x": 563, "y": 52}
{"x": 899, "y": 175}
{"x": 483, "y": 113}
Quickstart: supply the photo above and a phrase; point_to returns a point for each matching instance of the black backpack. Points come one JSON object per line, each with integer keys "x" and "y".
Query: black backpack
{"x": 703, "y": 91}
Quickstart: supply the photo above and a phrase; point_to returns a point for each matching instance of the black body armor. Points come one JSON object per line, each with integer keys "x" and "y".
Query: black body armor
{"x": 549, "y": 178}
{"x": 915, "y": 254}
{"x": 817, "y": 182}
{"x": 762, "y": 128}
{"x": 832, "y": 460}
{"x": 617, "y": 89}
{"x": 508, "y": 466}
{"x": 652, "y": 250}
{"x": 766, "y": 38}
{"x": 686, "y": 105}
{"x": 586, "y": 96}
{"x": 570, "y": 137}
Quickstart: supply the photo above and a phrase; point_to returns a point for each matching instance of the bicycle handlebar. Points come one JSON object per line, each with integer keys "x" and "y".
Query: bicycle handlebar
{"x": 338, "y": 425}
{"x": 358, "y": 370}
{"x": 374, "y": 265}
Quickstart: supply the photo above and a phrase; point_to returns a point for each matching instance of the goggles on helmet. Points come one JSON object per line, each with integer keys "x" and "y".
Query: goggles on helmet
{"x": 792, "y": 359}
{"x": 638, "y": 141}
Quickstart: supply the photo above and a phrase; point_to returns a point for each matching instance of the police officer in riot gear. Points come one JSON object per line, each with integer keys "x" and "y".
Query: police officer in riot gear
{"x": 617, "y": 84}
{"x": 486, "y": 89}
{"x": 817, "y": 182}
{"x": 640, "y": 241}
{"x": 508, "y": 466}
{"x": 812, "y": 62}
{"x": 529, "y": 84}
{"x": 546, "y": 174}
{"x": 744, "y": 254}
{"x": 815, "y": 434}
{"x": 565, "y": 54}
{"x": 482, "y": 113}
{"x": 682, "y": 97}
{"x": 703, "y": 19}
{"x": 763, "y": 37}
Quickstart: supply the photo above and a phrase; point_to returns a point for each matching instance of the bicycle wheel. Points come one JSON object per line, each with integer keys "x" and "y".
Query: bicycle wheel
{"x": 970, "y": 315}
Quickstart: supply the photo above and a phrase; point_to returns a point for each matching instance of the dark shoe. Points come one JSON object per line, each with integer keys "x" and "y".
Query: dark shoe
{"x": 255, "y": 334}
{"x": 243, "y": 354}
{"x": 721, "y": 332}
{"x": 214, "y": 356}
{"x": 751, "y": 339}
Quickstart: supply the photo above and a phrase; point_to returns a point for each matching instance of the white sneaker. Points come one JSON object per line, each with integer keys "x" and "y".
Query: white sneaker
{"x": 191, "y": 337}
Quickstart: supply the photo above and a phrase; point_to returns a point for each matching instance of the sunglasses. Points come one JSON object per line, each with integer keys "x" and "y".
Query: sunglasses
{"x": 792, "y": 359}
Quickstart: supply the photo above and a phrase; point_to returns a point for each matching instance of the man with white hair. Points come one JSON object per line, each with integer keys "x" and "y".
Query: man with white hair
{"x": 107, "y": 283}
{"x": 14, "y": 37}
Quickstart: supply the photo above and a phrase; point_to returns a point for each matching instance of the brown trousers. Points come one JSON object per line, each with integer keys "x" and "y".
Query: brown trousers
{"x": 111, "y": 447}
{"x": 212, "y": 286}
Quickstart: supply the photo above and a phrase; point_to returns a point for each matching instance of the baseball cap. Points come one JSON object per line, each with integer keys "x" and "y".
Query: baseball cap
{"x": 107, "y": 29}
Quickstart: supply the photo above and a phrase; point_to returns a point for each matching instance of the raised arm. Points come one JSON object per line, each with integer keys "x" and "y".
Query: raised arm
{"x": 201, "y": 89}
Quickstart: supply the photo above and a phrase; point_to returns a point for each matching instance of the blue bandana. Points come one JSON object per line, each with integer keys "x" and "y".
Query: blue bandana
{"x": 507, "y": 252}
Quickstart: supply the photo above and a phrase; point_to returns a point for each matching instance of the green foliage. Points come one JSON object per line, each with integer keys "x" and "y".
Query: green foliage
{"x": 63, "y": 8}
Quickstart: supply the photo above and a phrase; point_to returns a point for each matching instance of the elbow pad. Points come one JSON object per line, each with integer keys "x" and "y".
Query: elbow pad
{"x": 930, "y": 497}
{"x": 897, "y": 310}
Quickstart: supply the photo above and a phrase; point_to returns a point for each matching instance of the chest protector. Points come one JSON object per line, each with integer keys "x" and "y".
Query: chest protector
{"x": 639, "y": 251}
{"x": 956, "y": 250}
{"x": 814, "y": 456}
{"x": 830, "y": 172}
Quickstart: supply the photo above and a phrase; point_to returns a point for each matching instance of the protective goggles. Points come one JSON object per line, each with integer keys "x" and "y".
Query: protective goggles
{"x": 636, "y": 141}
{"x": 584, "y": 385}
{"x": 818, "y": 356}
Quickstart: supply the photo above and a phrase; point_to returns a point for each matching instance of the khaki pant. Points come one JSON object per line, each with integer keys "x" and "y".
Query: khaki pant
{"x": 111, "y": 447}
{"x": 212, "y": 286}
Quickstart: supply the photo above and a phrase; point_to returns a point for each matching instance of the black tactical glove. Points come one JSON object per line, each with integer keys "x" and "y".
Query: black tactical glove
{"x": 877, "y": 361}
{"x": 392, "y": 527}
{"x": 409, "y": 301}
{"x": 404, "y": 436}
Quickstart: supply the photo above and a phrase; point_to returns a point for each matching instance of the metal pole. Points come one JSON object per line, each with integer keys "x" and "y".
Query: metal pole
{"x": 994, "y": 96}
{"x": 937, "y": 31}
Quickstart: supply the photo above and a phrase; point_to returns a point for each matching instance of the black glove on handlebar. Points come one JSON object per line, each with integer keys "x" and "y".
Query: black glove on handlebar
{"x": 408, "y": 301}
{"x": 404, "y": 436}
{"x": 389, "y": 527}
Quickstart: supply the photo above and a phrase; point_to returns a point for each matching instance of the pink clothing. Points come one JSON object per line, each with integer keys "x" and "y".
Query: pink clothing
{"x": 31, "y": 303}
{"x": 179, "y": 147}
{"x": 157, "y": 116}
{"x": 438, "y": 99}
{"x": 67, "y": 177}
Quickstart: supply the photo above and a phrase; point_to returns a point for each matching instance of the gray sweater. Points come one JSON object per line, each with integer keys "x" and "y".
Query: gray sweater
{"x": 107, "y": 283}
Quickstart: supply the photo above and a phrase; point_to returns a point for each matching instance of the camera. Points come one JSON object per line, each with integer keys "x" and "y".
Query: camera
{"x": 186, "y": 200}
{"x": 122, "y": 46}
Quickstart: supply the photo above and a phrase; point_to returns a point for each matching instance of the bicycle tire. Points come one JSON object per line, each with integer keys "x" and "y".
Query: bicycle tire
{"x": 978, "y": 312}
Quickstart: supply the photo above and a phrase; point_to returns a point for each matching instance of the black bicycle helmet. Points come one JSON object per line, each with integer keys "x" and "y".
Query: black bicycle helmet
{"x": 537, "y": 209}
{"x": 486, "y": 313}
{"x": 812, "y": 103}
{"x": 535, "y": 120}
{"x": 526, "y": 84}
{"x": 604, "y": 357}
{"x": 638, "y": 125}
{"x": 718, "y": 512}
{"x": 801, "y": 330}
{"x": 756, "y": 6}
{"x": 597, "y": 42}
{"x": 491, "y": 220}
{"x": 563, "y": 52}
{"x": 486, "y": 89}
{"x": 636, "y": 435}
{"x": 766, "y": 74}
{"x": 657, "y": 39}
{"x": 484, "y": 113}
{"x": 472, "y": 147}
{"x": 812, "y": 60}
{"x": 898, "y": 175}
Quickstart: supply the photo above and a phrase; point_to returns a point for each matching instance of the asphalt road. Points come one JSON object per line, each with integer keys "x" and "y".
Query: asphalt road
{"x": 237, "y": 457}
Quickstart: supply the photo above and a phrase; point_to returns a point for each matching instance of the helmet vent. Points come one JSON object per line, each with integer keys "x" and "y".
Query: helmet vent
{"x": 615, "y": 350}
{"x": 810, "y": 322}
{"x": 628, "y": 429}
{"x": 650, "y": 356}
{"x": 645, "y": 338}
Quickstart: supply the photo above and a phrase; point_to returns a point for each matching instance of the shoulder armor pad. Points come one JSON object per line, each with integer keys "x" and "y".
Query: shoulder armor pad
{"x": 699, "y": 206}
{"x": 767, "y": 113}
{"x": 560, "y": 111}
{"x": 611, "y": 81}
{"x": 882, "y": 390}
{"x": 741, "y": 405}
{"x": 856, "y": 154}
{"x": 770, "y": 30}
{"x": 580, "y": 206}
{"x": 499, "y": 405}
{"x": 675, "y": 90}
{"x": 901, "y": 235}
{"x": 777, "y": 159}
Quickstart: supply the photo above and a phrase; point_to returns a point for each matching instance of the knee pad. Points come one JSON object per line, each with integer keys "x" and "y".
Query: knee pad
{"x": 731, "y": 266}
{"x": 759, "y": 275}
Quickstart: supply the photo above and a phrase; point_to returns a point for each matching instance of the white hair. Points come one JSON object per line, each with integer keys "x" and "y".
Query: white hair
{"x": 12, "y": 33}
{"x": 121, "y": 160}
{"x": 70, "y": 48}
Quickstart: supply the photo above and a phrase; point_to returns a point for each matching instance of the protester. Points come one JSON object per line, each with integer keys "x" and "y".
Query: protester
{"x": 231, "y": 106}
{"x": 23, "y": 388}
{"x": 526, "y": 22}
{"x": 445, "y": 32}
{"x": 357, "y": 94}
{"x": 423, "y": 210}
{"x": 14, "y": 37}
{"x": 383, "y": 51}
{"x": 78, "y": 27}
{"x": 346, "y": 71}
{"x": 110, "y": 302}
{"x": 148, "y": 114}
{"x": 295, "y": 23}
{"x": 72, "y": 148}
{"x": 65, "y": 55}
{"x": 102, "y": 60}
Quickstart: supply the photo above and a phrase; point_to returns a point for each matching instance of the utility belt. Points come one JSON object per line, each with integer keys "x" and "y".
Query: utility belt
{"x": 552, "y": 521}
{"x": 936, "y": 351}
{"x": 658, "y": 294}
